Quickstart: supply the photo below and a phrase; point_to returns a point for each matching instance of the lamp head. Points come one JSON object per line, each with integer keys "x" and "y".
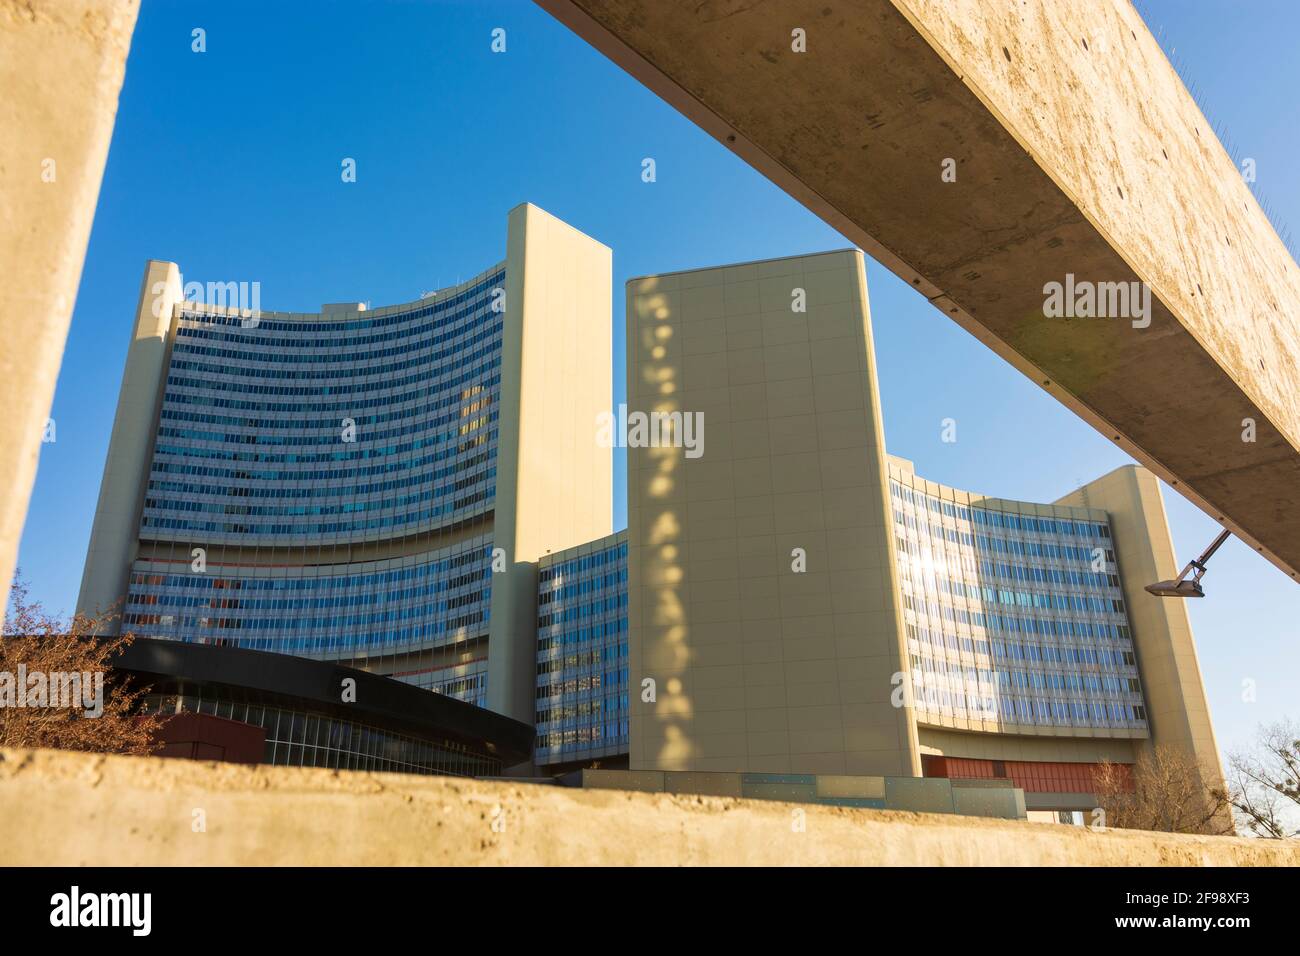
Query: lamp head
{"x": 1183, "y": 586}
{"x": 1176, "y": 589}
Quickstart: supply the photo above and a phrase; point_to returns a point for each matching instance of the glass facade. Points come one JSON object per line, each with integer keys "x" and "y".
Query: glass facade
{"x": 582, "y": 671}
{"x": 423, "y": 600}
{"x": 305, "y": 737}
{"x": 301, "y": 432}
{"x": 1013, "y": 613}
{"x": 297, "y": 443}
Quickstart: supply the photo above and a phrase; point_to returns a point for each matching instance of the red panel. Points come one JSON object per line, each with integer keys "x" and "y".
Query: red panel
{"x": 1035, "y": 776}
{"x": 204, "y": 737}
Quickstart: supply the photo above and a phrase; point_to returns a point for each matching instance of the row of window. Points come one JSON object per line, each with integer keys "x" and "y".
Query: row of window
{"x": 214, "y": 381}
{"x": 243, "y": 509}
{"x": 427, "y": 396}
{"x": 342, "y": 451}
{"x": 480, "y": 289}
{"x": 452, "y": 326}
{"x": 985, "y": 680}
{"x": 233, "y": 479}
{"x": 605, "y": 557}
{"x": 440, "y": 598}
{"x": 1000, "y": 519}
{"x": 435, "y": 362}
{"x": 1012, "y": 624}
{"x": 287, "y": 492}
{"x": 449, "y": 431}
{"x": 418, "y": 517}
{"x": 449, "y": 410}
{"x": 1040, "y": 711}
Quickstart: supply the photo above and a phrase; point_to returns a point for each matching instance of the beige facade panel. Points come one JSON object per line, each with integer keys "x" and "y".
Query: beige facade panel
{"x": 114, "y": 541}
{"x": 756, "y": 665}
{"x": 1126, "y": 184}
{"x": 555, "y": 480}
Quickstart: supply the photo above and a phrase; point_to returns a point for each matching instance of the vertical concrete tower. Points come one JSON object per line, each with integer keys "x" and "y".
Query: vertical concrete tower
{"x": 555, "y": 485}
{"x": 372, "y": 486}
{"x": 114, "y": 538}
{"x": 762, "y": 585}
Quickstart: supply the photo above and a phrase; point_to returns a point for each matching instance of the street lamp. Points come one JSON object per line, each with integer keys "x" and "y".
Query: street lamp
{"x": 1181, "y": 587}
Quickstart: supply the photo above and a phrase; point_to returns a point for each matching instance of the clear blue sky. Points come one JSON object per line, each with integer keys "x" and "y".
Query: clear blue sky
{"x": 228, "y": 163}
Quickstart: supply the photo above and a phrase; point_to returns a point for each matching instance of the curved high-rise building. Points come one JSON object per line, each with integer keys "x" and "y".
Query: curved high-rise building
{"x": 361, "y": 485}
{"x": 1013, "y": 614}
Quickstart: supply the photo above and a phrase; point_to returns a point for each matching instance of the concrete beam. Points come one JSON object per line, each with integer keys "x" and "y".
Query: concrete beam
{"x": 61, "y": 67}
{"x": 1077, "y": 152}
{"x": 73, "y": 809}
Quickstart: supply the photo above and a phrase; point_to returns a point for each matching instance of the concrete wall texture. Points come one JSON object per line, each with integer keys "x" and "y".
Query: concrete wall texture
{"x": 141, "y": 811}
{"x": 1076, "y": 151}
{"x": 61, "y": 68}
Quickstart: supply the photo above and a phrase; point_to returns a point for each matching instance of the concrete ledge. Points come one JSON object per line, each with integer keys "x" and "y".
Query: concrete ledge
{"x": 59, "y": 809}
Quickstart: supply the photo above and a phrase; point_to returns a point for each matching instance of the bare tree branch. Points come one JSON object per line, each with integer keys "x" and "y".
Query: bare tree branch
{"x": 1266, "y": 782}
{"x": 42, "y": 704}
{"x": 1164, "y": 790}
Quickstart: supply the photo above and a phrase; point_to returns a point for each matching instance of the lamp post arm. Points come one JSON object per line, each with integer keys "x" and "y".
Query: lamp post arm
{"x": 1214, "y": 546}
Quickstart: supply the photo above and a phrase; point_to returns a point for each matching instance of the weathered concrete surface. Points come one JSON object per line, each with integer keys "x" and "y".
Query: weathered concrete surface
{"x": 1077, "y": 151}
{"x": 61, "y": 808}
{"x": 61, "y": 67}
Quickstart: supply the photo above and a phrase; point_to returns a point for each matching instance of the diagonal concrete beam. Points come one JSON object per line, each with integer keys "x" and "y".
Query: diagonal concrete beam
{"x": 1077, "y": 152}
{"x": 61, "y": 67}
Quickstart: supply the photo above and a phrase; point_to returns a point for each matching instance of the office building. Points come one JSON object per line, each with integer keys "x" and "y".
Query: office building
{"x": 371, "y": 487}
{"x": 424, "y": 491}
{"x": 803, "y": 603}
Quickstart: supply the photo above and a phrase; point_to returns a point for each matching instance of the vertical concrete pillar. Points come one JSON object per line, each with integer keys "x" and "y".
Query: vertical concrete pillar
{"x": 114, "y": 536}
{"x": 61, "y": 67}
{"x": 554, "y": 484}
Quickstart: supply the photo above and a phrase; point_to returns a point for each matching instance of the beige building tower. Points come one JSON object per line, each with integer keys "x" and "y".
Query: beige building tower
{"x": 762, "y": 588}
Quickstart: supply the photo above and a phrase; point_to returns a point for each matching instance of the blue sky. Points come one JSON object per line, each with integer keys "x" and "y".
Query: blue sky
{"x": 228, "y": 163}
